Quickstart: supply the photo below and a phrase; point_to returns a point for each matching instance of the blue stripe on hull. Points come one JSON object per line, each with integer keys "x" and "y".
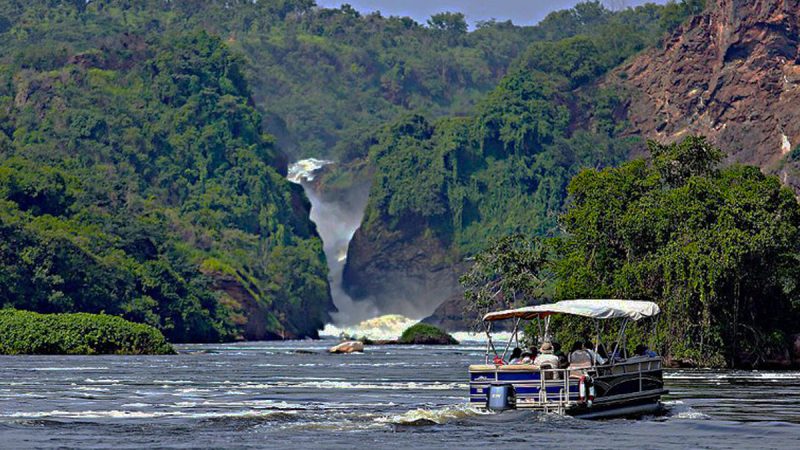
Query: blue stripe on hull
{"x": 522, "y": 389}
{"x": 504, "y": 376}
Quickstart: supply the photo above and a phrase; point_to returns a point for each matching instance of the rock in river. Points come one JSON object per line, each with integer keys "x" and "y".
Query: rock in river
{"x": 347, "y": 347}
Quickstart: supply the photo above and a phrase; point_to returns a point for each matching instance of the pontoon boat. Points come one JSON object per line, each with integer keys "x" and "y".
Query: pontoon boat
{"x": 622, "y": 385}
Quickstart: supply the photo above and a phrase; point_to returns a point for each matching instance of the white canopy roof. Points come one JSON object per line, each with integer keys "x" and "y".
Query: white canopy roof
{"x": 596, "y": 309}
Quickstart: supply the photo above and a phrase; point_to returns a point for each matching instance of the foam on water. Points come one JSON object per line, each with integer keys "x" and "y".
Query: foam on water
{"x": 677, "y": 409}
{"x": 348, "y": 385}
{"x": 706, "y": 375}
{"x": 438, "y": 416}
{"x": 305, "y": 170}
{"x": 387, "y": 327}
{"x": 126, "y": 414}
{"x": 391, "y": 326}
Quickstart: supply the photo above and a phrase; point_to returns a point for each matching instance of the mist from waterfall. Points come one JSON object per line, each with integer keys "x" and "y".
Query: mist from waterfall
{"x": 337, "y": 219}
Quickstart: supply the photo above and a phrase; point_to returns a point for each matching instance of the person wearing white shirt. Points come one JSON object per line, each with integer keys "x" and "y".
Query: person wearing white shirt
{"x": 546, "y": 356}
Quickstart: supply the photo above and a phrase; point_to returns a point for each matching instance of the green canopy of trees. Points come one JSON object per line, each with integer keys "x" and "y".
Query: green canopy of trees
{"x": 716, "y": 248}
{"x": 504, "y": 169}
{"x": 323, "y": 78}
{"x": 133, "y": 175}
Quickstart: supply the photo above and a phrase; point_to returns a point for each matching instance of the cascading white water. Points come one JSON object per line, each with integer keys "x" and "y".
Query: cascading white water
{"x": 337, "y": 219}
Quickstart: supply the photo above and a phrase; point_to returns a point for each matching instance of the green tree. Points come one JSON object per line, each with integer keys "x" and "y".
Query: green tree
{"x": 511, "y": 272}
{"x": 716, "y": 248}
{"x": 448, "y": 21}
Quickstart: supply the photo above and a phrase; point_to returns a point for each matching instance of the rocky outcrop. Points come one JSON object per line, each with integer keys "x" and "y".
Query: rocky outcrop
{"x": 406, "y": 271}
{"x": 450, "y": 314}
{"x": 732, "y": 74}
{"x": 247, "y": 313}
{"x": 347, "y": 347}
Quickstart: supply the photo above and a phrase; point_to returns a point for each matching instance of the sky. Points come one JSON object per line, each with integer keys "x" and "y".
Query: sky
{"x": 521, "y": 12}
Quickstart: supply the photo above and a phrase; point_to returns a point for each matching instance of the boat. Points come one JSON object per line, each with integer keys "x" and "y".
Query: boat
{"x": 623, "y": 384}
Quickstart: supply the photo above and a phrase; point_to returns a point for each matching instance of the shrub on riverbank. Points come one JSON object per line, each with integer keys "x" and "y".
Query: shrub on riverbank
{"x": 425, "y": 334}
{"x": 25, "y": 332}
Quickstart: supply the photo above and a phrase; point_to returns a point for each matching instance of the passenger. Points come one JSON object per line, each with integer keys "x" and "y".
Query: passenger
{"x": 562, "y": 359}
{"x": 546, "y": 357}
{"x": 601, "y": 350}
{"x": 579, "y": 357}
{"x": 516, "y": 356}
{"x": 595, "y": 357}
{"x": 532, "y": 353}
{"x": 643, "y": 350}
{"x": 527, "y": 358}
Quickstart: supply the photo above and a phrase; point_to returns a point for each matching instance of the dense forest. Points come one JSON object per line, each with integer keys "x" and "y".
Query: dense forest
{"x": 323, "y": 78}
{"x": 144, "y": 145}
{"x": 138, "y": 176}
{"x": 135, "y": 176}
{"x": 716, "y": 248}
{"x": 504, "y": 168}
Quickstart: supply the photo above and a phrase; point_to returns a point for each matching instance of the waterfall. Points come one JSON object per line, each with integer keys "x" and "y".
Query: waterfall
{"x": 337, "y": 218}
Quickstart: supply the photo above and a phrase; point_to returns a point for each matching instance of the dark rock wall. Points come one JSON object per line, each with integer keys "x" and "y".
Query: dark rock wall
{"x": 732, "y": 74}
{"x": 403, "y": 271}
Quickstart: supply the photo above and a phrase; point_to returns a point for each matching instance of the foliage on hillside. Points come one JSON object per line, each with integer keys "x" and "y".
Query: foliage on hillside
{"x": 507, "y": 274}
{"x": 29, "y": 333}
{"x": 324, "y": 77}
{"x": 505, "y": 169}
{"x": 124, "y": 168}
{"x": 717, "y": 249}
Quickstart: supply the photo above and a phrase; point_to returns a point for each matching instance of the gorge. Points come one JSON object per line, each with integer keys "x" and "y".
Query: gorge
{"x": 337, "y": 217}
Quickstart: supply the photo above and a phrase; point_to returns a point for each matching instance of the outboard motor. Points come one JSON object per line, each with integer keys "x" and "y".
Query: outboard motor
{"x": 501, "y": 397}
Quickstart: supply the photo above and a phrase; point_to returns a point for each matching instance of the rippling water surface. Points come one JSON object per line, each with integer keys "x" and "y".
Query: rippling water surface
{"x": 293, "y": 394}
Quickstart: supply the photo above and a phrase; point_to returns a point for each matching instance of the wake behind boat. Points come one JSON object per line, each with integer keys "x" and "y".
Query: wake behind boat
{"x": 585, "y": 385}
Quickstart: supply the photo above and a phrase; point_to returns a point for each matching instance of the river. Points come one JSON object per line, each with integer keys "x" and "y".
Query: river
{"x": 294, "y": 394}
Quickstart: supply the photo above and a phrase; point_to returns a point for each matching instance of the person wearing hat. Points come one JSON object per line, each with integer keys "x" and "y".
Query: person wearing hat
{"x": 546, "y": 356}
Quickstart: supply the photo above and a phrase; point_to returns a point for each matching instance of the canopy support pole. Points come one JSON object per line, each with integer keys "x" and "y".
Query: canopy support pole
{"x": 596, "y": 341}
{"x": 487, "y": 326}
{"x": 511, "y": 339}
{"x": 619, "y": 337}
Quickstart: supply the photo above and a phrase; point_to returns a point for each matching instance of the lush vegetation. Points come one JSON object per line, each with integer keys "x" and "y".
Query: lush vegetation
{"x": 134, "y": 176}
{"x": 324, "y": 78}
{"x": 29, "y": 333}
{"x": 717, "y": 249}
{"x": 138, "y": 178}
{"x": 425, "y": 334}
{"x": 505, "y": 168}
{"x": 508, "y": 273}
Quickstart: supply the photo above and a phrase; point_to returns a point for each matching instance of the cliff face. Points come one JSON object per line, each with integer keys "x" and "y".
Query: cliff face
{"x": 404, "y": 271}
{"x": 732, "y": 74}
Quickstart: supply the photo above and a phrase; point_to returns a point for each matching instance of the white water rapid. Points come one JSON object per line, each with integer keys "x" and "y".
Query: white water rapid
{"x": 337, "y": 219}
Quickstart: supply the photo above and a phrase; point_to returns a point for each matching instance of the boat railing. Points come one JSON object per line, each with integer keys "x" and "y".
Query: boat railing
{"x": 558, "y": 388}
{"x": 562, "y": 400}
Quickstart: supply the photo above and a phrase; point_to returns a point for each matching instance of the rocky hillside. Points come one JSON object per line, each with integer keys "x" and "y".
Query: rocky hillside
{"x": 731, "y": 73}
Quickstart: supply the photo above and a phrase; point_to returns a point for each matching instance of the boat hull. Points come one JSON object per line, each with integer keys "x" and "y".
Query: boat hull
{"x": 624, "y": 389}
